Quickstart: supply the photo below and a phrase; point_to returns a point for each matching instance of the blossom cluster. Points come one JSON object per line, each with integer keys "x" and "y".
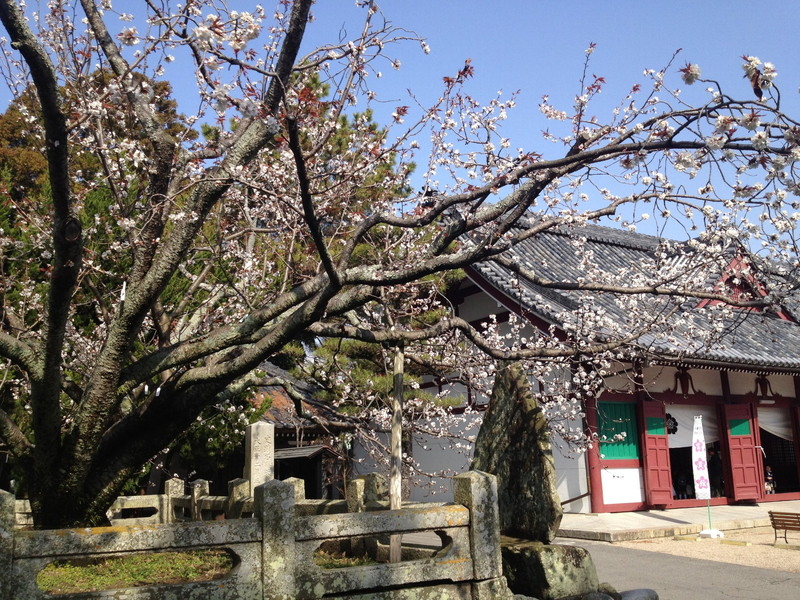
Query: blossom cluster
{"x": 280, "y": 215}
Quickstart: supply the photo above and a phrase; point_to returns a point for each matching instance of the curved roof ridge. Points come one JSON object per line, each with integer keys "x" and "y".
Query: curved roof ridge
{"x": 606, "y": 234}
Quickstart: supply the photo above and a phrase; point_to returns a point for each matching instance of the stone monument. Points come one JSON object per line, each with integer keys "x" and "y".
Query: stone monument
{"x": 514, "y": 444}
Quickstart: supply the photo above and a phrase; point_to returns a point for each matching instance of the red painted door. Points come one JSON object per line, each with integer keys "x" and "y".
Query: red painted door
{"x": 658, "y": 475}
{"x": 745, "y": 457}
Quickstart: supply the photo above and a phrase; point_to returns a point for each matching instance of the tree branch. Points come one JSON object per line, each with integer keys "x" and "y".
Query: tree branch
{"x": 19, "y": 353}
{"x": 655, "y": 289}
{"x": 67, "y": 241}
{"x": 12, "y": 435}
{"x": 308, "y": 203}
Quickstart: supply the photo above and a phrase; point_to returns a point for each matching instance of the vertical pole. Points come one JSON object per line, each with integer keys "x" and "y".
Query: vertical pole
{"x": 395, "y": 475}
{"x": 200, "y": 489}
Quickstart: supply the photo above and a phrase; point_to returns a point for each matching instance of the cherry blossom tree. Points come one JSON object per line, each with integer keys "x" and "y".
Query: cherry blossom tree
{"x": 291, "y": 219}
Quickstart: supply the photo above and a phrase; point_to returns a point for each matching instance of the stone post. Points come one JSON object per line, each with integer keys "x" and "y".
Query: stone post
{"x": 363, "y": 493}
{"x": 259, "y": 454}
{"x": 238, "y": 492}
{"x": 366, "y": 491}
{"x": 299, "y": 488}
{"x": 200, "y": 488}
{"x": 275, "y": 508}
{"x": 7, "y": 518}
{"x": 172, "y": 488}
{"x": 354, "y": 494}
{"x": 478, "y": 492}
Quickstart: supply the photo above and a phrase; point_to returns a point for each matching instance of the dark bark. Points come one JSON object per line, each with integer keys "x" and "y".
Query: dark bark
{"x": 68, "y": 248}
{"x": 74, "y": 478}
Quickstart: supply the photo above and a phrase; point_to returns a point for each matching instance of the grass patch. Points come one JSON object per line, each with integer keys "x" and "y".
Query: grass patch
{"x": 339, "y": 560}
{"x": 93, "y": 575}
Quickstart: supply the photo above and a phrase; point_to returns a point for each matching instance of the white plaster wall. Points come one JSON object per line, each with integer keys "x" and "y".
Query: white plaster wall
{"x": 363, "y": 462}
{"x": 745, "y": 383}
{"x": 442, "y": 457}
{"x": 782, "y": 384}
{"x": 571, "y": 478}
{"x": 622, "y": 486}
{"x": 622, "y": 381}
{"x": 439, "y": 455}
{"x": 662, "y": 379}
{"x": 742, "y": 383}
{"x": 435, "y": 455}
{"x": 707, "y": 381}
{"x": 658, "y": 379}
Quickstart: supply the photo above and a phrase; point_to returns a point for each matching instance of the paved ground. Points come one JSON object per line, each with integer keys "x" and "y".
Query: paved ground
{"x": 662, "y": 550}
{"x": 640, "y": 550}
{"x": 747, "y": 547}
{"x": 617, "y": 527}
{"x": 680, "y": 578}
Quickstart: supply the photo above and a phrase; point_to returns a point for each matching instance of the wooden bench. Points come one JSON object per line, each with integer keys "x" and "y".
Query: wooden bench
{"x": 785, "y": 521}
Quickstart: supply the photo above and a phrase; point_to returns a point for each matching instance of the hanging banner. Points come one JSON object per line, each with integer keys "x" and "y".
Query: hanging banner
{"x": 702, "y": 485}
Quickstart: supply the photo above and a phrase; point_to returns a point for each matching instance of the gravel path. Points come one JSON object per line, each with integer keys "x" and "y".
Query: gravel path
{"x": 732, "y": 548}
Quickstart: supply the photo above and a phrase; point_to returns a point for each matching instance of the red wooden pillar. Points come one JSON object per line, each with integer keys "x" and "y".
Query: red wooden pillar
{"x": 593, "y": 460}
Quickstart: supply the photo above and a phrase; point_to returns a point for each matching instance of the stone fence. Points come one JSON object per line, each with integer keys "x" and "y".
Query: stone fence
{"x": 274, "y": 548}
{"x": 173, "y": 506}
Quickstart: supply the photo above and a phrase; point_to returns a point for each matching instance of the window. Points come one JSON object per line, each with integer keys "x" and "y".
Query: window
{"x": 613, "y": 419}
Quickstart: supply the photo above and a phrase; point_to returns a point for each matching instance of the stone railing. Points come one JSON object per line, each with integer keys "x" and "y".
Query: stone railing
{"x": 173, "y": 506}
{"x": 275, "y": 547}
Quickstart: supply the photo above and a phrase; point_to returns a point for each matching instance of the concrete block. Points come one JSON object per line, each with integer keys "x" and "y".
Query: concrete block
{"x": 491, "y": 589}
{"x": 238, "y": 491}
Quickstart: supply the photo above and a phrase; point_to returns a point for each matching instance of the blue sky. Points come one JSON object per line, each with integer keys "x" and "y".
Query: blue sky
{"x": 537, "y": 47}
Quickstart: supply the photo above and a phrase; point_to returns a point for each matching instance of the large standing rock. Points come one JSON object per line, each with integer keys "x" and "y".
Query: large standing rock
{"x": 513, "y": 444}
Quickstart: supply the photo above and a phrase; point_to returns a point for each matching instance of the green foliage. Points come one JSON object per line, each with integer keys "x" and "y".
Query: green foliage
{"x": 291, "y": 355}
{"x": 219, "y": 433}
{"x": 26, "y": 247}
{"x": 348, "y": 371}
{"x": 22, "y": 164}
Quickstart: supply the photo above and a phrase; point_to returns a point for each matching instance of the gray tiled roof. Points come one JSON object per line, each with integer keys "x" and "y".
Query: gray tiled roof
{"x": 303, "y": 452}
{"x": 283, "y": 413}
{"x": 752, "y": 340}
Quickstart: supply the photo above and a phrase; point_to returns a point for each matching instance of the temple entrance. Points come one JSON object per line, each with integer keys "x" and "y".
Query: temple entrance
{"x": 680, "y": 459}
{"x": 682, "y": 481}
{"x": 680, "y": 424}
{"x": 779, "y": 451}
{"x": 746, "y": 469}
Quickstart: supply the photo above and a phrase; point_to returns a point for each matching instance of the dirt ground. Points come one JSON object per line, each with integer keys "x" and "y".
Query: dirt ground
{"x": 732, "y": 548}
